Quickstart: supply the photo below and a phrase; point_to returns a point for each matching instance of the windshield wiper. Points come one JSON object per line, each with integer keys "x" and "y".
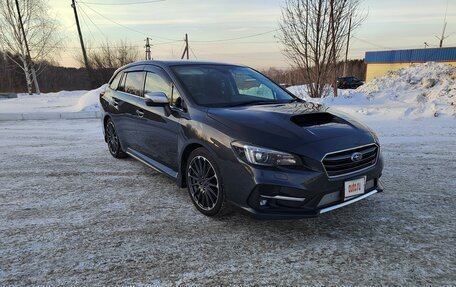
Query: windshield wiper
{"x": 254, "y": 102}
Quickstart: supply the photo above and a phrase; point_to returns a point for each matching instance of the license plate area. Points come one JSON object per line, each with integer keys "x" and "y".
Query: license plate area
{"x": 354, "y": 187}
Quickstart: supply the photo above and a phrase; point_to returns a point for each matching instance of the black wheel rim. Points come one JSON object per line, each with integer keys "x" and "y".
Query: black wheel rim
{"x": 203, "y": 183}
{"x": 111, "y": 138}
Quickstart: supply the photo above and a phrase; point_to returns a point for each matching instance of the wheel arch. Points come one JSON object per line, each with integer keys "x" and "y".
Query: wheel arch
{"x": 184, "y": 159}
{"x": 182, "y": 181}
{"x": 105, "y": 120}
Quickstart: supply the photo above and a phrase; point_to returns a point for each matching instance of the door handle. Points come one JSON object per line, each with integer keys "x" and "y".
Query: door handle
{"x": 115, "y": 102}
{"x": 140, "y": 113}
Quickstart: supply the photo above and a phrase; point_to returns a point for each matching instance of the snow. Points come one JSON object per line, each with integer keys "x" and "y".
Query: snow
{"x": 90, "y": 101}
{"x": 59, "y": 102}
{"x": 73, "y": 215}
{"x": 419, "y": 91}
{"x": 63, "y": 101}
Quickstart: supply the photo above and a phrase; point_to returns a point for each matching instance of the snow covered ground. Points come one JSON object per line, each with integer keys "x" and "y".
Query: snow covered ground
{"x": 60, "y": 102}
{"x": 70, "y": 214}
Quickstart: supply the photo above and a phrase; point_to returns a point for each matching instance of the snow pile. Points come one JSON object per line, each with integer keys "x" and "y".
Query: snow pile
{"x": 59, "y": 102}
{"x": 90, "y": 101}
{"x": 63, "y": 101}
{"x": 421, "y": 90}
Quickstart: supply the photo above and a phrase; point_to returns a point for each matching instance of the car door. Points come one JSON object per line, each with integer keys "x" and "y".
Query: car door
{"x": 127, "y": 98}
{"x": 159, "y": 127}
{"x": 115, "y": 107}
{"x": 357, "y": 82}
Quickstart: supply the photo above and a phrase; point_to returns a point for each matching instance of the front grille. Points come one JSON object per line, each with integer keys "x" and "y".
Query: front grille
{"x": 340, "y": 163}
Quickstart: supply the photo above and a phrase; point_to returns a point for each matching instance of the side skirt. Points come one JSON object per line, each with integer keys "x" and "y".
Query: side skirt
{"x": 152, "y": 163}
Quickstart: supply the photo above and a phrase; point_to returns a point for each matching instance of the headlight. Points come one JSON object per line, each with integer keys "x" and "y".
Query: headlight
{"x": 263, "y": 156}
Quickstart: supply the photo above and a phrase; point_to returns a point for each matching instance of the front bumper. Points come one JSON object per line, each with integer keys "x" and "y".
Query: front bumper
{"x": 288, "y": 193}
{"x": 348, "y": 202}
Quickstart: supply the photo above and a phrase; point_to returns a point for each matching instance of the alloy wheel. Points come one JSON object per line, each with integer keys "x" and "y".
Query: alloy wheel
{"x": 203, "y": 183}
{"x": 112, "y": 138}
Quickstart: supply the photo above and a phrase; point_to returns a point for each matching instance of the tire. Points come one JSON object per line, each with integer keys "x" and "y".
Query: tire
{"x": 205, "y": 185}
{"x": 112, "y": 139}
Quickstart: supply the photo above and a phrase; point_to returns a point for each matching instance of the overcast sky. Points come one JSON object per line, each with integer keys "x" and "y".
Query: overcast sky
{"x": 391, "y": 24}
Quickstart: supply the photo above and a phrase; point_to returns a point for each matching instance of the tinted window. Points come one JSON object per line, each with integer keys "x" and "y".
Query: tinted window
{"x": 220, "y": 85}
{"x": 249, "y": 86}
{"x": 134, "y": 83}
{"x": 115, "y": 82}
{"x": 155, "y": 83}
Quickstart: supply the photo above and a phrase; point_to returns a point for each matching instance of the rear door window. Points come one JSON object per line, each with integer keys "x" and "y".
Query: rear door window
{"x": 134, "y": 83}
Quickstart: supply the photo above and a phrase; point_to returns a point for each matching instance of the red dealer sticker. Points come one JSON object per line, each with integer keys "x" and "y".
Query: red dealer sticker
{"x": 354, "y": 187}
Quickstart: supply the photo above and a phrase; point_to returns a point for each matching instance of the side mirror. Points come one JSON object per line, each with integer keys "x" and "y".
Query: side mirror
{"x": 156, "y": 99}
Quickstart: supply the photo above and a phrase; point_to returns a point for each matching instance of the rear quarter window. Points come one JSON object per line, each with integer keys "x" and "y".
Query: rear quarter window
{"x": 115, "y": 82}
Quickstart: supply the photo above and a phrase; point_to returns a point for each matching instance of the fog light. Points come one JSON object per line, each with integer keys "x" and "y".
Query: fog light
{"x": 263, "y": 202}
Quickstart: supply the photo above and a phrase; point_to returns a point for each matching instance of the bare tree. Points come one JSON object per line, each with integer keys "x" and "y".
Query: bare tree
{"x": 40, "y": 33}
{"x": 111, "y": 55}
{"x": 314, "y": 33}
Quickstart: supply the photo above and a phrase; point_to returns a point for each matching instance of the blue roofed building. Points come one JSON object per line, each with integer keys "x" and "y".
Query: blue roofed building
{"x": 380, "y": 62}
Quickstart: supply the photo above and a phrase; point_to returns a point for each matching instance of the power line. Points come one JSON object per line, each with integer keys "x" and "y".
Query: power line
{"x": 126, "y": 27}
{"x": 90, "y": 19}
{"x": 373, "y": 44}
{"x": 166, "y": 43}
{"x": 106, "y": 37}
{"x": 87, "y": 26}
{"x": 175, "y": 40}
{"x": 236, "y": 43}
{"x": 129, "y": 3}
{"x": 101, "y": 47}
{"x": 193, "y": 53}
{"x": 237, "y": 38}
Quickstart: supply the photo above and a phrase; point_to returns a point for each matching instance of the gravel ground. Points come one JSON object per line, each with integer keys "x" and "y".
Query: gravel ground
{"x": 72, "y": 214}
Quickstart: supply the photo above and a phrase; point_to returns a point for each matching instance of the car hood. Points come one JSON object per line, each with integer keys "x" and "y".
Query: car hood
{"x": 293, "y": 127}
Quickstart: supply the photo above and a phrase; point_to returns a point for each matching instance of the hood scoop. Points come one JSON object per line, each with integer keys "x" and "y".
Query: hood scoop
{"x": 316, "y": 119}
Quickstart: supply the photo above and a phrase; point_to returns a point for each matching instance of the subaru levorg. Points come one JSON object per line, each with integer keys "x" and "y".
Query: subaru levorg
{"x": 235, "y": 138}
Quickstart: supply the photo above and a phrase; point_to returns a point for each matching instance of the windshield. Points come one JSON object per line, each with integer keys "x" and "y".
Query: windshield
{"x": 223, "y": 85}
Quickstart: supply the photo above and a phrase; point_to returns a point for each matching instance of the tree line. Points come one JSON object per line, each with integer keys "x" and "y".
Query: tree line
{"x": 314, "y": 34}
{"x": 294, "y": 76}
{"x": 52, "y": 77}
{"x": 55, "y": 78}
{"x": 104, "y": 61}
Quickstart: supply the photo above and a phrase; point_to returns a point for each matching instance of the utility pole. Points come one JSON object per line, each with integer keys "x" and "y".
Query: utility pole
{"x": 84, "y": 53}
{"x": 443, "y": 37}
{"x": 148, "y": 54}
{"x": 28, "y": 57}
{"x": 186, "y": 47}
{"x": 333, "y": 46}
{"x": 348, "y": 44}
